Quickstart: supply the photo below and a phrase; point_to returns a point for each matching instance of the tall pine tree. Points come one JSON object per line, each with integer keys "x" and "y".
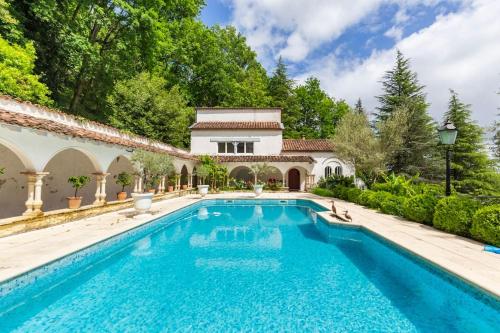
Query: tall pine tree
{"x": 403, "y": 91}
{"x": 359, "y": 108}
{"x": 281, "y": 90}
{"x": 469, "y": 156}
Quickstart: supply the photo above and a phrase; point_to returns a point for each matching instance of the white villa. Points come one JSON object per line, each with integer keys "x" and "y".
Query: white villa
{"x": 40, "y": 148}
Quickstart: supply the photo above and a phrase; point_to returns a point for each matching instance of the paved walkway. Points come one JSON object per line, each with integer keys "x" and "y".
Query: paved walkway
{"x": 463, "y": 257}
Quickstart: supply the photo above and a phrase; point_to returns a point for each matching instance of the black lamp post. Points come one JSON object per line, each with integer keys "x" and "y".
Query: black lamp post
{"x": 447, "y": 136}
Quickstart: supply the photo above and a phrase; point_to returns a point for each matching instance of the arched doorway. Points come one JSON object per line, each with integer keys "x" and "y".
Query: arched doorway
{"x": 195, "y": 178}
{"x": 67, "y": 163}
{"x": 294, "y": 180}
{"x": 13, "y": 191}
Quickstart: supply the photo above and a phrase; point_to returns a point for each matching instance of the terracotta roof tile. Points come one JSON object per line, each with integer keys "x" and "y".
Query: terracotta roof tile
{"x": 25, "y": 120}
{"x": 263, "y": 158}
{"x": 214, "y": 125}
{"x": 307, "y": 145}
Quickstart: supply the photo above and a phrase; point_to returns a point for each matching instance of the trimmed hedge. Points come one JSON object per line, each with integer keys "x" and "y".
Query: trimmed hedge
{"x": 393, "y": 205}
{"x": 486, "y": 225}
{"x": 353, "y": 194}
{"x": 420, "y": 208}
{"x": 322, "y": 192}
{"x": 454, "y": 214}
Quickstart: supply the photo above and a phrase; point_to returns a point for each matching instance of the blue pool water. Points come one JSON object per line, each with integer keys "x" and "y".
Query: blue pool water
{"x": 258, "y": 266}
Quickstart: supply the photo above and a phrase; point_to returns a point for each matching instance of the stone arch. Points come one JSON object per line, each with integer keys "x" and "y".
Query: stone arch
{"x": 184, "y": 176}
{"x": 273, "y": 175}
{"x": 242, "y": 173}
{"x": 66, "y": 163}
{"x": 91, "y": 158}
{"x": 13, "y": 185}
{"x": 119, "y": 164}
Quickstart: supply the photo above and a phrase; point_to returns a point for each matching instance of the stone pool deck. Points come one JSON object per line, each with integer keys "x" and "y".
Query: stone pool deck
{"x": 462, "y": 257}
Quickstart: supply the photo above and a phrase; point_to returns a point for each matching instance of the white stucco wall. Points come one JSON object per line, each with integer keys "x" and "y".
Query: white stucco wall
{"x": 269, "y": 142}
{"x": 324, "y": 159}
{"x": 208, "y": 115}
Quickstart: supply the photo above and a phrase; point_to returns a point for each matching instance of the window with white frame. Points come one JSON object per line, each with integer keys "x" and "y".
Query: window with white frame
{"x": 338, "y": 170}
{"x": 328, "y": 171}
{"x": 235, "y": 147}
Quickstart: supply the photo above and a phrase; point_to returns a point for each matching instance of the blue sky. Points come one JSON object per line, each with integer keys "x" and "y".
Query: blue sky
{"x": 349, "y": 44}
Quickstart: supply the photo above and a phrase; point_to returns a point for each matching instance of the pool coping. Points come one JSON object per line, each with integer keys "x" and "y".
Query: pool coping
{"x": 100, "y": 228}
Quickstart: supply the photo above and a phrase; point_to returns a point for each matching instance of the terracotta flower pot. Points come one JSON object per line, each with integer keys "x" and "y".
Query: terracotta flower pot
{"x": 122, "y": 196}
{"x": 184, "y": 187}
{"x": 170, "y": 188}
{"x": 152, "y": 191}
{"x": 74, "y": 202}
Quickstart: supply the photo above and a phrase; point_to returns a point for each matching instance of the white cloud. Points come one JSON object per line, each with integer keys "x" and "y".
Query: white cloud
{"x": 395, "y": 32}
{"x": 460, "y": 51}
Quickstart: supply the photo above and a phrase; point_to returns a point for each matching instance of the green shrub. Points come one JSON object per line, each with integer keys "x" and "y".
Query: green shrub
{"x": 353, "y": 194}
{"x": 336, "y": 180}
{"x": 486, "y": 225}
{"x": 365, "y": 197}
{"x": 420, "y": 208}
{"x": 393, "y": 204}
{"x": 454, "y": 214}
{"x": 377, "y": 198}
{"x": 322, "y": 192}
{"x": 341, "y": 192}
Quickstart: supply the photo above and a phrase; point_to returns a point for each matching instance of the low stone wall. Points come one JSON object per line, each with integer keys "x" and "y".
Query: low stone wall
{"x": 20, "y": 224}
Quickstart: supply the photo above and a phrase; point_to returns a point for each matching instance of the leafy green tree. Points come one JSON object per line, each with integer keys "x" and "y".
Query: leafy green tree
{"x": 84, "y": 47}
{"x": 402, "y": 90}
{"x": 144, "y": 106}
{"x": 215, "y": 67}
{"x": 9, "y": 25}
{"x": 469, "y": 155}
{"x": 317, "y": 113}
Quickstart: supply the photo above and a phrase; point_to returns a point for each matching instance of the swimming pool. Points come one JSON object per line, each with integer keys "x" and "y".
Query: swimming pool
{"x": 244, "y": 265}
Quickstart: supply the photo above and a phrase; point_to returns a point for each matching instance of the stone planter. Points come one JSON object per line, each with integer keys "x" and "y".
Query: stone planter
{"x": 152, "y": 191}
{"x": 184, "y": 187}
{"x": 170, "y": 188}
{"x": 258, "y": 189}
{"x": 203, "y": 190}
{"x": 121, "y": 196}
{"x": 142, "y": 202}
{"x": 74, "y": 202}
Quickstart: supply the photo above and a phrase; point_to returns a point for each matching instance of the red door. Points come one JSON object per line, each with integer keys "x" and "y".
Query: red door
{"x": 294, "y": 180}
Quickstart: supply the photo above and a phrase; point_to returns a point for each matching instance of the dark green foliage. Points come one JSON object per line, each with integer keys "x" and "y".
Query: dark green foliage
{"x": 420, "y": 208}
{"x": 359, "y": 107}
{"x": 143, "y": 105}
{"x": 322, "y": 192}
{"x": 376, "y": 199}
{"x": 454, "y": 214}
{"x": 398, "y": 185}
{"x": 365, "y": 197}
{"x": 403, "y": 91}
{"x": 469, "y": 156}
{"x": 336, "y": 180}
{"x": 486, "y": 225}
{"x": 393, "y": 205}
{"x": 486, "y": 183}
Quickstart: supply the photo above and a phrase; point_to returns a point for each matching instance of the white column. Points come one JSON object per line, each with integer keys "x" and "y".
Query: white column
{"x": 178, "y": 183}
{"x": 161, "y": 187}
{"x": 138, "y": 184}
{"x": 284, "y": 179}
{"x": 190, "y": 180}
{"x": 34, "y": 202}
{"x": 100, "y": 193}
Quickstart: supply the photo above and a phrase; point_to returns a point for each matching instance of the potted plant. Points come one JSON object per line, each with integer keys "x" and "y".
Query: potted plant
{"x": 151, "y": 167}
{"x": 77, "y": 182}
{"x": 202, "y": 172}
{"x": 259, "y": 170}
{"x": 124, "y": 179}
{"x": 171, "y": 183}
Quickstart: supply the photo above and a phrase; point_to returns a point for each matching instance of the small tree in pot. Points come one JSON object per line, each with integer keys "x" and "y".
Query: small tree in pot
{"x": 202, "y": 172}
{"x": 151, "y": 167}
{"x": 77, "y": 182}
{"x": 124, "y": 179}
{"x": 259, "y": 170}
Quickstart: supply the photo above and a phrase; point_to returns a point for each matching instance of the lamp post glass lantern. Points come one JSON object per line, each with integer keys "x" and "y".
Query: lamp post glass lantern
{"x": 447, "y": 136}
